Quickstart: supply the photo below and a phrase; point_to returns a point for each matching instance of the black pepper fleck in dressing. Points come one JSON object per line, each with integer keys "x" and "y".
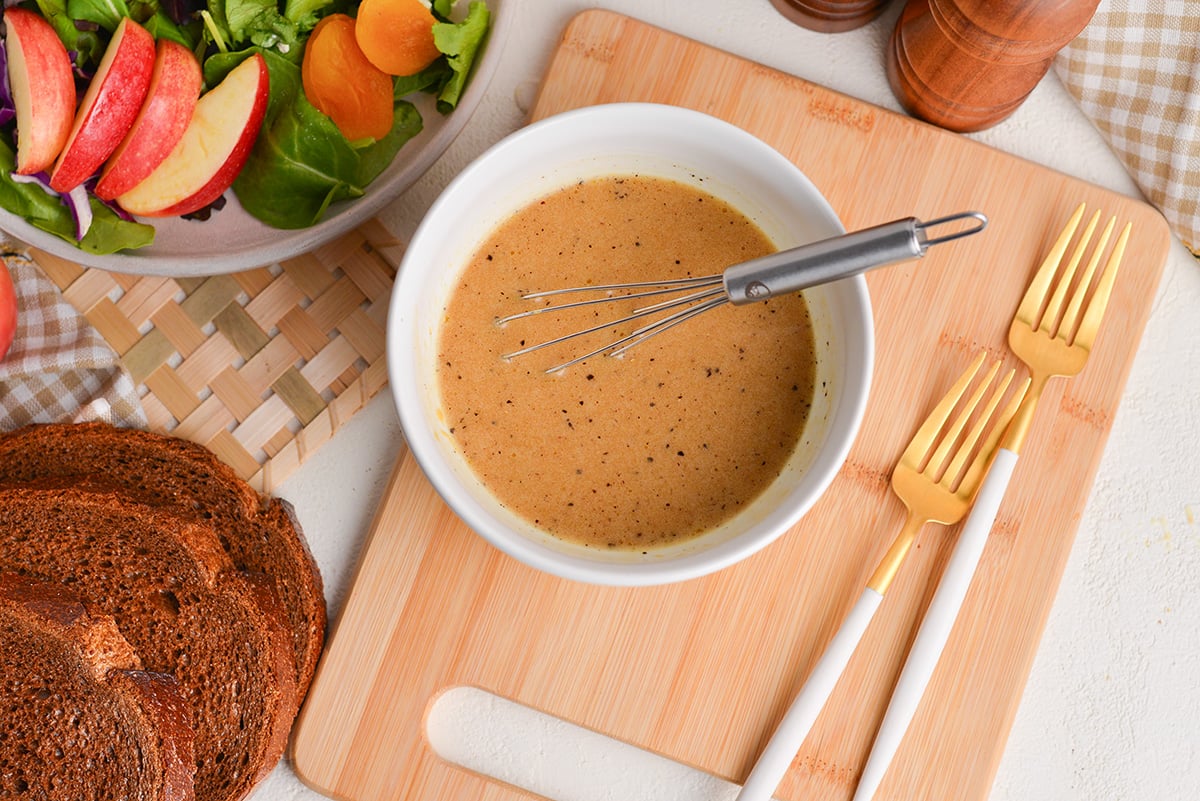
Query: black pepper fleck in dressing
{"x": 651, "y": 448}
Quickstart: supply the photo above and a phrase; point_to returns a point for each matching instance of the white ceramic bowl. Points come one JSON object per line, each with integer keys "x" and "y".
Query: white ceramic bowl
{"x": 649, "y": 139}
{"x": 234, "y": 240}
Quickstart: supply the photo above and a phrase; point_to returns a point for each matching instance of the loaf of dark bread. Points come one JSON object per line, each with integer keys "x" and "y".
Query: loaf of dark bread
{"x": 261, "y": 536}
{"x": 177, "y": 598}
{"x": 79, "y": 718}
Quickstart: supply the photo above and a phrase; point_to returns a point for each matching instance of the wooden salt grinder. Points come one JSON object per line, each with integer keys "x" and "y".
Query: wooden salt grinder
{"x": 830, "y": 16}
{"x": 968, "y": 64}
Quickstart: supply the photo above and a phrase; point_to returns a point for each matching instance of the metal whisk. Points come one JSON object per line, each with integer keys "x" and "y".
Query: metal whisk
{"x": 758, "y": 279}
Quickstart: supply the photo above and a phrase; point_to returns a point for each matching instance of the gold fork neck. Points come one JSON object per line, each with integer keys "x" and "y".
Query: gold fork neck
{"x": 881, "y": 579}
{"x": 1018, "y": 429}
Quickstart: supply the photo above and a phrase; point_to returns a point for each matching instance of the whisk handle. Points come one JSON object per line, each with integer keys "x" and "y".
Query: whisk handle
{"x": 837, "y": 257}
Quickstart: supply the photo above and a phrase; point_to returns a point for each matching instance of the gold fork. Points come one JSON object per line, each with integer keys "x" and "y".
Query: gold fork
{"x": 937, "y": 478}
{"x": 1052, "y": 339}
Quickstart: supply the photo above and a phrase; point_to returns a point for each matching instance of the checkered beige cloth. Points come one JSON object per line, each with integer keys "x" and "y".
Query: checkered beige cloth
{"x": 1135, "y": 71}
{"x": 59, "y": 369}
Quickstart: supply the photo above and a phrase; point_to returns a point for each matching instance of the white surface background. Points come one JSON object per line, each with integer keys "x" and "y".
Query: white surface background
{"x": 1112, "y": 709}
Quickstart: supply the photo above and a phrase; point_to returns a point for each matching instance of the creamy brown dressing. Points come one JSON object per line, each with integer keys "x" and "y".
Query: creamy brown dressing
{"x": 661, "y": 444}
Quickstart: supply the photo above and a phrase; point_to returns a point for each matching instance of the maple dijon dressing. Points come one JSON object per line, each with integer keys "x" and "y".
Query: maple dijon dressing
{"x": 658, "y": 445}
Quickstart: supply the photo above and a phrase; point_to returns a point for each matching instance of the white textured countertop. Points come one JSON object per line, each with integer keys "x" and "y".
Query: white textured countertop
{"x": 1112, "y": 708}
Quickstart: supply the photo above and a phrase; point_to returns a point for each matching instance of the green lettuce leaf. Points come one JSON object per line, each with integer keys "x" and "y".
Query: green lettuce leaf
{"x": 259, "y": 22}
{"x": 306, "y": 13}
{"x": 431, "y": 79}
{"x": 161, "y": 26}
{"x": 89, "y": 45}
{"x": 233, "y": 25}
{"x": 460, "y": 42}
{"x": 109, "y": 233}
{"x": 105, "y": 13}
{"x": 375, "y": 158}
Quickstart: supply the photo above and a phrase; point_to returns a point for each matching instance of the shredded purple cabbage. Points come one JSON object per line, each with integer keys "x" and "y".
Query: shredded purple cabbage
{"x": 41, "y": 179}
{"x": 80, "y": 207}
{"x": 117, "y": 210}
{"x": 8, "y": 111}
{"x": 81, "y": 75}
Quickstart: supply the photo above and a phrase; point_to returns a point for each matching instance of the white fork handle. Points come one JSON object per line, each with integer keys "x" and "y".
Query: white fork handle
{"x": 939, "y": 620}
{"x": 777, "y": 757}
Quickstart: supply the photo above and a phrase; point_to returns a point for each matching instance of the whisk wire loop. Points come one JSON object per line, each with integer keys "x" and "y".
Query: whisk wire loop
{"x": 636, "y": 337}
{"x": 712, "y": 297}
{"x": 651, "y": 289}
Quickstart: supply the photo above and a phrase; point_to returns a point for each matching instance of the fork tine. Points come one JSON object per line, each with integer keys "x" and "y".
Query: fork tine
{"x": 1039, "y": 287}
{"x": 982, "y": 422}
{"x": 1066, "y": 328}
{"x": 1053, "y": 309}
{"x": 974, "y": 474}
{"x": 1090, "y": 324}
{"x": 925, "y": 438}
{"x": 950, "y": 442}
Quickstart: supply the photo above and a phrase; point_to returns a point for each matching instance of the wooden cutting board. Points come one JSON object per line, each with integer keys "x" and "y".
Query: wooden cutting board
{"x": 702, "y": 671}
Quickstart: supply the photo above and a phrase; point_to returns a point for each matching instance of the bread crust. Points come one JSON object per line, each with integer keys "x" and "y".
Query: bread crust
{"x": 161, "y": 699}
{"x": 60, "y": 634}
{"x": 261, "y": 535}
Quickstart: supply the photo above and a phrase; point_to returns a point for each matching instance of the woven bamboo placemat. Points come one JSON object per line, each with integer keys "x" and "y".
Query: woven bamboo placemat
{"x": 261, "y": 366}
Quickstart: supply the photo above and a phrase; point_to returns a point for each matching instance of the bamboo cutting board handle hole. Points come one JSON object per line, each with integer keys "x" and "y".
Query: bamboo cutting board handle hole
{"x": 509, "y": 742}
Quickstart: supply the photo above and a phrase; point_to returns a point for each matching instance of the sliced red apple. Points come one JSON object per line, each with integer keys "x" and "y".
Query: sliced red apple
{"x": 8, "y": 310}
{"x": 43, "y": 89}
{"x": 164, "y": 116}
{"x": 109, "y": 106}
{"x": 213, "y": 149}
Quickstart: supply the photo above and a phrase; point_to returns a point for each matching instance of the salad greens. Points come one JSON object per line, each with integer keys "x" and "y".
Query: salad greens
{"x": 460, "y": 43}
{"x": 107, "y": 233}
{"x": 300, "y": 154}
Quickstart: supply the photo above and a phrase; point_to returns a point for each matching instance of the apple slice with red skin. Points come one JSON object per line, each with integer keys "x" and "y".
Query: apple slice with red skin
{"x": 8, "y": 310}
{"x": 110, "y": 105}
{"x": 174, "y": 88}
{"x": 42, "y": 86}
{"x": 213, "y": 149}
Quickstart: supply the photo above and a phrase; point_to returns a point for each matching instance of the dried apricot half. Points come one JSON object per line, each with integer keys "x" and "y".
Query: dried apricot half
{"x": 343, "y": 83}
{"x": 396, "y": 35}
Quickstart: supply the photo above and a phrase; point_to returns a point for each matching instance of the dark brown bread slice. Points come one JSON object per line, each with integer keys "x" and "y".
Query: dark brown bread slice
{"x": 177, "y": 598}
{"x": 78, "y": 717}
{"x": 260, "y": 535}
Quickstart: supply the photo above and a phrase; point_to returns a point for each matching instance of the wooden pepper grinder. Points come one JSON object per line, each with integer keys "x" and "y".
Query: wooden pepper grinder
{"x": 967, "y": 64}
{"x": 830, "y": 16}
